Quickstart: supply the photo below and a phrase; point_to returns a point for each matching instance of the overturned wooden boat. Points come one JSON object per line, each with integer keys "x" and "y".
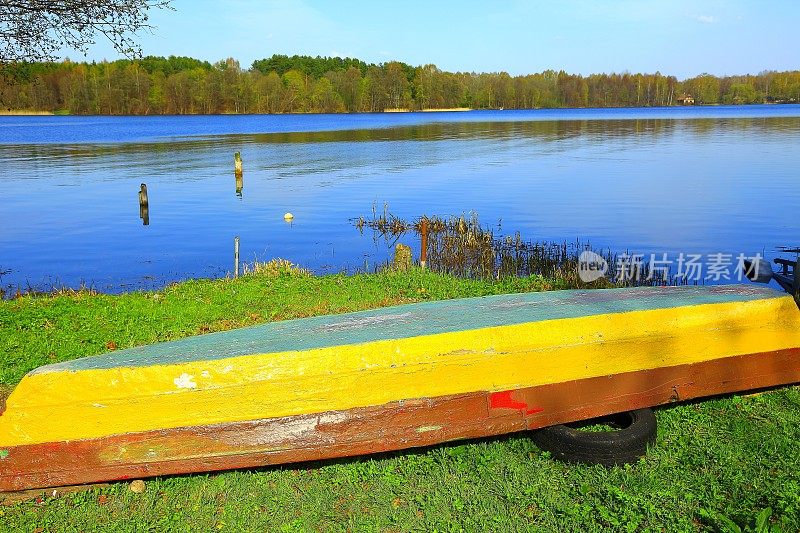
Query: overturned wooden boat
{"x": 391, "y": 378}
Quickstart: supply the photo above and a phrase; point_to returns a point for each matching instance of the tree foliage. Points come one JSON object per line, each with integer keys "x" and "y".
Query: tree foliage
{"x": 34, "y": 30}
{"x": 315, "y": 67}
{"x": 301, "y": 84}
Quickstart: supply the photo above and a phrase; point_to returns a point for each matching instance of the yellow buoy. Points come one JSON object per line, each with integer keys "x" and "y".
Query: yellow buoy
{"x": 288, "y": 216}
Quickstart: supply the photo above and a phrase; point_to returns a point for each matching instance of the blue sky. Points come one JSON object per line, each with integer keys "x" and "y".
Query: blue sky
{"x": 677, "y": 37}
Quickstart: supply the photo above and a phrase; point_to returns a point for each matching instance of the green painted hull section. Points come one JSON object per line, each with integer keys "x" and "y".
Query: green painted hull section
{"x": 412, "y": 320}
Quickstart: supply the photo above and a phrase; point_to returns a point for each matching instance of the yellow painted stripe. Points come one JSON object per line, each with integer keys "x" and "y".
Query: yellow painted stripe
{"x": 85, "y": 404}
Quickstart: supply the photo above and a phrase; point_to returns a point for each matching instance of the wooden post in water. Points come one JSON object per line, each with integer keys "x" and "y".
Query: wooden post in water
{"x": 144, "y": 205}
{"x": 237, "y": 170}
{"x": 423, "y": 252}
{"x": 236, "y": 257}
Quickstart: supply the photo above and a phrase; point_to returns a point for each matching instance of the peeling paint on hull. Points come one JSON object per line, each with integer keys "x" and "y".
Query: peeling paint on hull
{"x": 630, "y": 349}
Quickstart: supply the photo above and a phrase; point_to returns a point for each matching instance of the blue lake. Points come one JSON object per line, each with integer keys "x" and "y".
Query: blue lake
{"x": 674, "y": 180}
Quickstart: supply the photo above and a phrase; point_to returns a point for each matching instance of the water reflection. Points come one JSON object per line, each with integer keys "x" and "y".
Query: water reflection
{"x": 540, "y": 131}
{"x": 644, "y": 184}
{"x": 354, "y": 154}
{"x": 239, "y": 184}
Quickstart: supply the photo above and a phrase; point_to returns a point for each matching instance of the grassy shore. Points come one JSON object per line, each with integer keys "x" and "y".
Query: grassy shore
{"x": 427, "y": 110}
{"x": 721, "y": 464}
{"x": 23, "y": 112}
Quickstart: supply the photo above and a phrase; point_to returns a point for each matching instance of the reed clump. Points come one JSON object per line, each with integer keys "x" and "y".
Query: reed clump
{"x": 54, "y": 291}
{"x": 273, "y": 268}
{"x": 460, "y": 246}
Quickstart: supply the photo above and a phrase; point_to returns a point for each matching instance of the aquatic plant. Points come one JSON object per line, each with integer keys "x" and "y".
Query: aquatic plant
{"x": 460, "y": 246}
{"x": 272, "y": 268}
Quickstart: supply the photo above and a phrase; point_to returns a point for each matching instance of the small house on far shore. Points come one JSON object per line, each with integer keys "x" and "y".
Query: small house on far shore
{"x": 685, "y": 99}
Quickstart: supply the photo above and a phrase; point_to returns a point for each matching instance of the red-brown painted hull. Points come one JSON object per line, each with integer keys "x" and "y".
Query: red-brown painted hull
{"x": 394, "y": 426}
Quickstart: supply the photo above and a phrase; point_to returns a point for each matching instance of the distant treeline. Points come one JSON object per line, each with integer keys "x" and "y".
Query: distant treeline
{"x": 303, "y": 84}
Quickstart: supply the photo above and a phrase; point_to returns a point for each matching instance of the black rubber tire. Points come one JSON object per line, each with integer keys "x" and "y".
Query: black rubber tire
{"x": 634, "y": 432}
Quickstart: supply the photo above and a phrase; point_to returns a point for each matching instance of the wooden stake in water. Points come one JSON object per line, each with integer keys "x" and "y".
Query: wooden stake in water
{"x": 236, "y": 257}
{"x": 423, "y": 252}
{"x": 144, "y": 205}
{"x": 237, "y": 170}
{"x": 237, "y": 164}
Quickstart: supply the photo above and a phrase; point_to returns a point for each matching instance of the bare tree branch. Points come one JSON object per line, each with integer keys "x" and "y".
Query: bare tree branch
{"x": 34, "y": 30}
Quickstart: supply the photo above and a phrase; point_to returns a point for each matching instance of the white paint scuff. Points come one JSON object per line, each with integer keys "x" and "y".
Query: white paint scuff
{"x": 185, "y": 381}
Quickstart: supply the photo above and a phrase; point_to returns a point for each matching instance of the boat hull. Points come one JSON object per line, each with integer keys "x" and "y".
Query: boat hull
{"x": 392, "y": 390}
{"x": 394, "y": 426}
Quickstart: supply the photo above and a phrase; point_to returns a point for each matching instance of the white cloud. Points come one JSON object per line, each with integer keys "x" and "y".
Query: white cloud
{"x": 337, "y": 53}
{"x": 706, "y": 19}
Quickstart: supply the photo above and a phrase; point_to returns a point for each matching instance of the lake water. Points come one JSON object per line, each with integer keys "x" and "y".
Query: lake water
{"x": 673, "y": 180}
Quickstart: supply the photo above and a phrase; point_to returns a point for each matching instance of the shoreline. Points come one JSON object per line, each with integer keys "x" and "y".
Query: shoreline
{"x": 429, "y": 110}
{"x": 24, "y": 112}
{"x": 16, "y": 112}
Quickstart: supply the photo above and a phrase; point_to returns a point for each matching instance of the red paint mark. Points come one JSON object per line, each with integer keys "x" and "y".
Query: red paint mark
{"x": 503, "y": 400}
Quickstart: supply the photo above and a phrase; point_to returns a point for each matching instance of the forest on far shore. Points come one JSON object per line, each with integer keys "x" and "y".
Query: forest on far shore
{"x": 304, "y": 84}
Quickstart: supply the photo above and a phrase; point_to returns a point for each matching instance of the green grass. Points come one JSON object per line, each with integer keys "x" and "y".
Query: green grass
{"x": 717, "y": 464}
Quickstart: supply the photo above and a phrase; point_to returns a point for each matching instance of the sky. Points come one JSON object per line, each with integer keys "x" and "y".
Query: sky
{"x": 677, "y": 37}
